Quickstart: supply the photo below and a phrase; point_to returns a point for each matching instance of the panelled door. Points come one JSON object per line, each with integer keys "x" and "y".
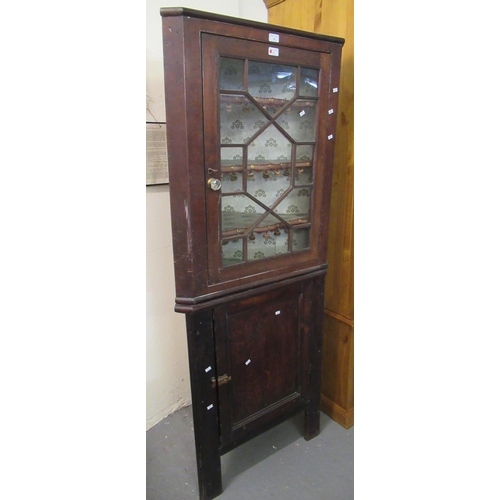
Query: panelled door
{"x": 263, "y": 108}
{"x": 259, "y": 348}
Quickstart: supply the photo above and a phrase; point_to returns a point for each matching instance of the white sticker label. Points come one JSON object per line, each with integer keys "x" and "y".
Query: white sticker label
{"x": 247, "y": 362}
{"x": 208, "y": 369}
{"x": 335, "y": 89}
{"x": 210, "y": 407}
{"x": 330, "y": 137}
{"x": 330, "y": 111}
{"x": 273, "y": 37}
{"x": 302, "y": 113}
{"x": 277, "y": 312}
{"x": 273, "y": 51}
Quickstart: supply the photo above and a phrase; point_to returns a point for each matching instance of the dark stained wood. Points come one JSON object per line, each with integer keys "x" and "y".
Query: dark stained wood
{"x": 254, "y": 330}
{"x": 240, "y": 291}
{"x": 213, "y": 47}
{"x": 190, "y": 157}
{"x": 258, "y": 345}
{"x": 236, "y": 21}
{"x": 202, "y": 367}
{"x": 313, "y": 332}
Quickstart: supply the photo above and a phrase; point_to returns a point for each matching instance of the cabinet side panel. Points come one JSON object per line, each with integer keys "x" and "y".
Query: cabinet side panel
{"x": 175, "y": 106}
{"x": 183, "y": 107}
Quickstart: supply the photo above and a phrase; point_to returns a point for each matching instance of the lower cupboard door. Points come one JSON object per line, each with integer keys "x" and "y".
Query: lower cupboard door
{"x": 259, "y": 370}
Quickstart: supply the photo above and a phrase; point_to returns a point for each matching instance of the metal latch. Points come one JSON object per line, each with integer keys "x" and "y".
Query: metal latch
{"x": 224, "y": 379}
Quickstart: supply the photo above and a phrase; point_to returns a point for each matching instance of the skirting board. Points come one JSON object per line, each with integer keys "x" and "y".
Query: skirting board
{"x": 343, "y": 417}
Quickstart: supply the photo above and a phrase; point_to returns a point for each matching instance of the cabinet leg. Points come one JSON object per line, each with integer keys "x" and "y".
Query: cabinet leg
{"x": 313, "y": 388}
{"x": 205, "y": 404}
{"x": 311, "y": 422}
{"x": 209, "y": 470}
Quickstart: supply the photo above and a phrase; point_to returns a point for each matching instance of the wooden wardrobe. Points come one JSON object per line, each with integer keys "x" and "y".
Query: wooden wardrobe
{"x": 335, "y": 17}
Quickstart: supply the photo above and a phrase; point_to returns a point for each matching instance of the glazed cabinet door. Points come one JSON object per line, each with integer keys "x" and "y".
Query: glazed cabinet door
{"x": 264, "y": 110}
{"x": 259, "y": 349}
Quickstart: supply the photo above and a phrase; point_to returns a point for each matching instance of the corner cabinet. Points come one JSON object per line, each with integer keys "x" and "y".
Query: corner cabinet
{"x": 251, "y": 114}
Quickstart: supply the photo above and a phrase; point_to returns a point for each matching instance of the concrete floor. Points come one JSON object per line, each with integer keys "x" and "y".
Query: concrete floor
{"x": 278, "y": 464}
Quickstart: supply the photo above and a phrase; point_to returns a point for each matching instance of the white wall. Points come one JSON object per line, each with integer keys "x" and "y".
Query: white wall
{"x": 167, "y": 369}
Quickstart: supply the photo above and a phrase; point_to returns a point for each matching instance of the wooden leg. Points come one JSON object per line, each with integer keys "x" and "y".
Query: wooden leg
{"x": 312, "y": 412}
{"x": 311, "y": 423}
{"x": 204, "y": 398}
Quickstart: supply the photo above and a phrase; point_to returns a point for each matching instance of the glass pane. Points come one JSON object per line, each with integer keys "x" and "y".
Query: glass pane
{"x": 232, "y": 252}
{"x": 262, "y": 245}
{"x": 303, "y": 162}
{"x": 271, "y": 84}
{"x": 240, "y": 119}
{"x": 270, "y": 224}
{"x": 281, "y": 239}
{"x": 300, "y": 120}
{"x": 295, "y": 207}
{"x": 271, "y": 147}
{"x": 267, "y": 185}
{"x": 232, "y": 169}
{"x": 231, "y": 74}
{"x": 239, "y": 213}
{"x": 308, "y": 82}
{"x": 269, "y": 239}
{"x": 301, "y": 238}
{"x": 256, "y": 159}
{"x": 303, "y": 176}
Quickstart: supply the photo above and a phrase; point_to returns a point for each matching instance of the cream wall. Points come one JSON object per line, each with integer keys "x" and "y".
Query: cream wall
{"x": 167, "y": 369}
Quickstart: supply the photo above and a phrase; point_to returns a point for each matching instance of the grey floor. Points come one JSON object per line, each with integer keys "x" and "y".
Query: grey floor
{"x": 278, "y": 464}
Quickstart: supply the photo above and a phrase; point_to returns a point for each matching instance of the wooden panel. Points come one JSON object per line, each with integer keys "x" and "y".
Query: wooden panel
{"x": 264, "y": 357}
{"x": 259, "y": 346}
{"x": 297, "y": 14}
{"x": 338, "y": 17}
{"x": 338, "y": 370}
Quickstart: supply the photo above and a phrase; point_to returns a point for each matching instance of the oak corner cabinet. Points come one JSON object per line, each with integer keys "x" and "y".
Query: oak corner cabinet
{"x": 251, "y": 112}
